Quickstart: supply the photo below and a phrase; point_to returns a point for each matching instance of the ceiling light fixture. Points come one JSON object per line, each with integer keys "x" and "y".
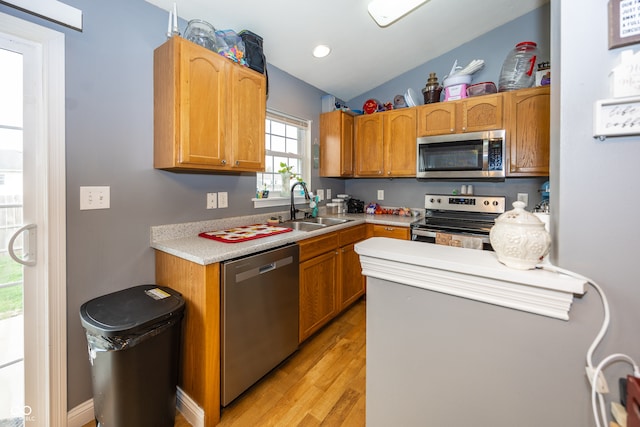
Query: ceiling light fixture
{"x": 321, "y": 51}
{"x": 386, "y": 12}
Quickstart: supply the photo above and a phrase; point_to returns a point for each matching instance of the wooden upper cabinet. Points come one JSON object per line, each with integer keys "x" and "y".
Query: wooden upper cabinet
{"x": 386, "y": 144}
{"x": 336, "y": 144}
{"x": 436, "y": 119}
{"x": 480, "y": 113}
{"x": 369, "y": 145}
{"x": 528, "y": 116}
{"x": 209, "y": 112}
{"x": 248, "y": 113}
{"x": 467, "y": 115}
{"x": 400, "y": 142}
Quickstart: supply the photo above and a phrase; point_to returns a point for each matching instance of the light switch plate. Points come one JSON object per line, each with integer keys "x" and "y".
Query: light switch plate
{"x": 212, "y": 200}
{"x": 328, "y": 194}
{"x": 380, "y": 194}
{"x": 95, "y": 198}
{"x": 524, "y": 197}
{"x": 223, "y": 201}
{"x": 320, "y": 194}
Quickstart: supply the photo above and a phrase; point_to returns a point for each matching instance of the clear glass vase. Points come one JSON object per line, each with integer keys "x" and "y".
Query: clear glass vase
{"x": 285, "y": 190}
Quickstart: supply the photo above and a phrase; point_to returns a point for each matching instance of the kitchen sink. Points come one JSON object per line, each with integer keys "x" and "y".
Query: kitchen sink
{"x": 327, "y": 221}
{"x": 310, "y": 224}
{"x": 302, "y": 226}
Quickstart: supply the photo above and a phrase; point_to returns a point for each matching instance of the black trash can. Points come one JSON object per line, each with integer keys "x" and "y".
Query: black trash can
{"x": 133, "y": 340}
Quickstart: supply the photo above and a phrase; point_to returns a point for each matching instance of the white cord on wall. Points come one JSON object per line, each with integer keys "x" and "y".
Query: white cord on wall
{"x": 595, "y": 373}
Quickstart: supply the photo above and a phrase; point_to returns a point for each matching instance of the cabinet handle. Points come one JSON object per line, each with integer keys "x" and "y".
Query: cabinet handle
{"x": 389, "y": 173}
{"x": 389, "y": 229}
{"x": 379, "y": 172}
{"x": 224, "y": 162}
{"x": 237, "y": 162}
{"x": 464, "y": 129}
{"x": 451, "y": 130}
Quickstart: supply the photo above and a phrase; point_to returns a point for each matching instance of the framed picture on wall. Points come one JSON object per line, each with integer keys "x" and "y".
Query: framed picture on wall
{"x": 624, "y": 23}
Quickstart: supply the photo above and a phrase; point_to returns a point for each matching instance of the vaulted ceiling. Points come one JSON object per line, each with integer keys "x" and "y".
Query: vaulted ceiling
{"x": 363, "y": 55}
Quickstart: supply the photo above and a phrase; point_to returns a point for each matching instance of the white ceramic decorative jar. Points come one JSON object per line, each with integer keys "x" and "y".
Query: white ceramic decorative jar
{"x": 519, "y": 238}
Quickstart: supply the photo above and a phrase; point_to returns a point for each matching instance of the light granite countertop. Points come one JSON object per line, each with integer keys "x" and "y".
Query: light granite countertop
{"x": 182, "y": 240}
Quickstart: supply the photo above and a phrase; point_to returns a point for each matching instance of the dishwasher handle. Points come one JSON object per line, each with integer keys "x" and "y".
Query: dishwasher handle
{"x": 263, "y": 269}
{"x": 267, "y": 268}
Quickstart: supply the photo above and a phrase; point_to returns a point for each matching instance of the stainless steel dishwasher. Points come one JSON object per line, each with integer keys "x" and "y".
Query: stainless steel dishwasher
{"x": 259, "y": 317}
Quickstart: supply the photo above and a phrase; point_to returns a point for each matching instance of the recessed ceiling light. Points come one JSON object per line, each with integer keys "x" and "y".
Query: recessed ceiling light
{"x": 386, "y": 12}
{"x": 321, "y": 51}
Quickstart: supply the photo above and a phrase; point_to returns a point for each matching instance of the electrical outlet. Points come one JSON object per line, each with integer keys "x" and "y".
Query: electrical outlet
{"x": 328, "y": 194}
{"x": 380, "y": 194}
{"x": 524, "y": 197}
{"x": 212, "y": 200}
{"x": 95, "y": 198}
{"x": 320, "y": 194}
{"x": 223, "y": 201}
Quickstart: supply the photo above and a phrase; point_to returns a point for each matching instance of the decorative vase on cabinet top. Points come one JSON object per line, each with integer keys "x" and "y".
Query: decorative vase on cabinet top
{"x": 519, "y": 238}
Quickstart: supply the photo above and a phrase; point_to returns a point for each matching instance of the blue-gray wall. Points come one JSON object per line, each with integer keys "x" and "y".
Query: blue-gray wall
{"x": 109, "y": 141}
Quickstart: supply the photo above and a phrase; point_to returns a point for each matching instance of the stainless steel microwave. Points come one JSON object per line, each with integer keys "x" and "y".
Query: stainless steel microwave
{"x": 473, "y": 155}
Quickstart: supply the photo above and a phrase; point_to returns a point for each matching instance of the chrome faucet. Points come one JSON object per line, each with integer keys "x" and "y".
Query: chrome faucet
{"x": 306, "y": 196}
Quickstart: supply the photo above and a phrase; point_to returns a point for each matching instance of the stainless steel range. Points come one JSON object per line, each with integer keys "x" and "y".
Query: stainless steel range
{"x": 463, "y": 220}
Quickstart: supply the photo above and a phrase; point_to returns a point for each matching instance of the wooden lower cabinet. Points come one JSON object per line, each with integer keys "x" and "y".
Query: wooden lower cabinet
{"x": 330, "y": 277}
{"x": 199, "y": 374}
{"x": 378, "y": 230}
{"x": 318, "y": 302}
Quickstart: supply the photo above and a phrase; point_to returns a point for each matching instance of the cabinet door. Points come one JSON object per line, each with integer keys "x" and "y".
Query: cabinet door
{"x": 247, "y": 106}
{"x": 528, "y": 132}
{"x": 201, "y": 90}
{"x": 351, "y": 279}
{"x": 336, "y": 144}
{"x": 369, "y": 145}
{"x": 436, "y": 119}
{"x": 318, "y": 302}
{"x": 400, "y": 142}
{"x": 481, "y": 113}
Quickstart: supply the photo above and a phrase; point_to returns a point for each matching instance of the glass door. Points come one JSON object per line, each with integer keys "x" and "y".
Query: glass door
{"x": 12, "y": 393}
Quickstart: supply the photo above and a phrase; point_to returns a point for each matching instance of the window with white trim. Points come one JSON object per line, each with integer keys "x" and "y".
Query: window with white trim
{"x": 286, "y": 141}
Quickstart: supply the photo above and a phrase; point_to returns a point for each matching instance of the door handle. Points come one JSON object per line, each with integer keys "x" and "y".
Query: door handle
{"x": 30, "y": 259}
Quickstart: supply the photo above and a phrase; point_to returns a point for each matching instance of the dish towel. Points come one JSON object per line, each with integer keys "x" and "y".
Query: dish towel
{"x": 459, "y": 241}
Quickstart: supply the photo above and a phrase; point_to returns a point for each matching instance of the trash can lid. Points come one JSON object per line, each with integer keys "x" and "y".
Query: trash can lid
{"x": 132, "y": 310}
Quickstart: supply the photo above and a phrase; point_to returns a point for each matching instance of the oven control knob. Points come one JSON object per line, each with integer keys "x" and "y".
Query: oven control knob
{"x": 432, "y": 200}
{"x": 439, "y": 200}
{"x": 486, "y": 203}
{"x": 495, "y": 203}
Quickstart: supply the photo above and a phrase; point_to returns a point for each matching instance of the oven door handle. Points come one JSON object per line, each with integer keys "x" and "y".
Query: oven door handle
{"x": 420, "y": 232}
{"x": 429, "y": 233}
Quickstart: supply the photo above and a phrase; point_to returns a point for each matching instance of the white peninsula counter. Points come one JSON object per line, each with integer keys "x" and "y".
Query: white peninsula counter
{"x": 456, "y": 338}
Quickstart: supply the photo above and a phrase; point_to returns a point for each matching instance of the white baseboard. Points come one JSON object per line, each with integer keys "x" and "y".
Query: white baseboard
{"x": 83, "y": 413}
{"x": 189, "y": 409}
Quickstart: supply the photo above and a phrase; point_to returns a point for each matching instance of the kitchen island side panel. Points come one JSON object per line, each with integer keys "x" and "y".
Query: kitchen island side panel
{"x": 436, "y": 359}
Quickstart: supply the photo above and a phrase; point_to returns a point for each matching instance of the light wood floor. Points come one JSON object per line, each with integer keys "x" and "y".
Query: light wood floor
{"x": 322, "y": 384}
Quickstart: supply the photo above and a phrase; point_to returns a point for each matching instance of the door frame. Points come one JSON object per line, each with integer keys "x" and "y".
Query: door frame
{"x": 52, "y": 328}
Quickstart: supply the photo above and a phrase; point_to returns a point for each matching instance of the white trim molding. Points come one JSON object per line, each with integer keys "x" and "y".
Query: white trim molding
{"x": 52, "y": 398}
{"x": 469, "y": 273}
{"x": 52, "y": 10}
